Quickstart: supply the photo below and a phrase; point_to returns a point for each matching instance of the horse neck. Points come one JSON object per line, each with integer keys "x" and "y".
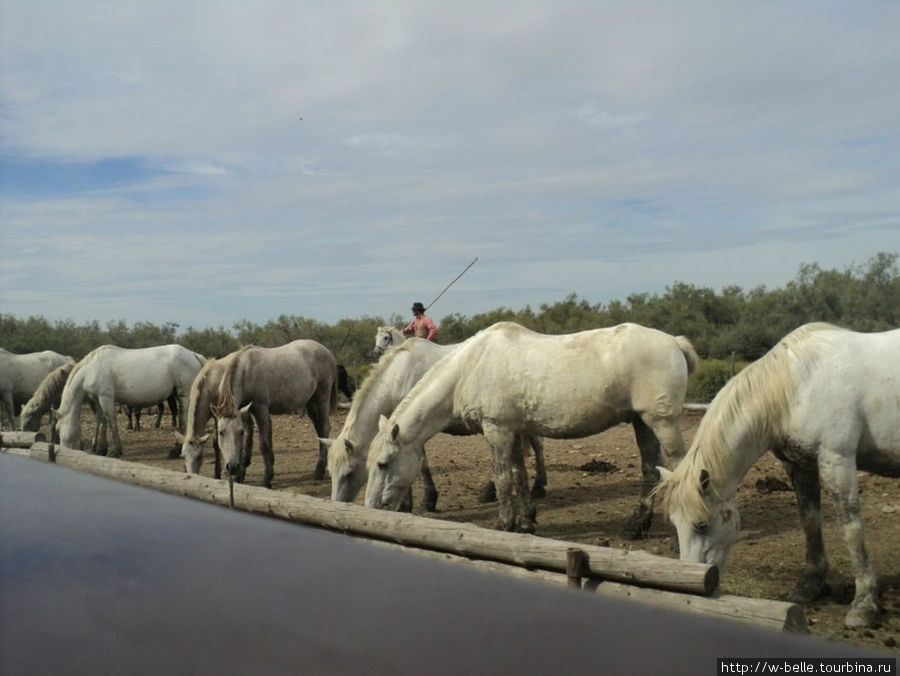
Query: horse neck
{"x": 428, "y": 407}
{"x": 73, "y": 392}
{"x": 198, "y": 410}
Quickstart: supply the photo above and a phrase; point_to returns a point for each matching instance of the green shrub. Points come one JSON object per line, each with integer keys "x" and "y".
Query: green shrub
{"x": 710, "y": 377}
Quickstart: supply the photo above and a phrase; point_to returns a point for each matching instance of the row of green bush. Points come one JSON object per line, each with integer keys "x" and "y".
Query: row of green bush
{"x": 727, "y": 326}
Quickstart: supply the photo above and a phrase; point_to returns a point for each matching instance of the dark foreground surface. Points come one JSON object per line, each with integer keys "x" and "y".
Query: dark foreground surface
{"x": 102, "y": 577}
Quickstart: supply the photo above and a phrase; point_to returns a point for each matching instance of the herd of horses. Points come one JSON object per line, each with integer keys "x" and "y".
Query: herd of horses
{"x": 824, "y": 400}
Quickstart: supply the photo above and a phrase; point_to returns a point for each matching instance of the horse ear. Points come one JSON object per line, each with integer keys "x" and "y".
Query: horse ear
{"x": 325, "y": 441}
{"x": 395, "y": 432}
{"x": 382, "y": 423}
{"x": 203, "y": 439}
{"x": 246, "y": 409}
{"x": 704, "y": 481}
{"x": 664, "y": 474}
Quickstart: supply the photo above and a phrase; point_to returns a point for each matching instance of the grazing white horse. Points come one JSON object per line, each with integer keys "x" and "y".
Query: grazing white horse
{"x": 47, "y": 395}
{"x": 515, "y": 384}
{"x": 264, "y": 380}
{"x": 20, "y": 377}
{"x": 825, "y": 400}
{"x": 138, "y": 377}
{"x": 204, "y": 392}
{"x": 398, "y": 370}
{"x": 387, "y": 337}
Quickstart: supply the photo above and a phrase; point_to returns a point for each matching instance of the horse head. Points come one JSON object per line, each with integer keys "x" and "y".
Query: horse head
{"x": 707, "y": 524}
{"x": 384, "y": 340}
{"x": 230, "y": 431}
{"x": 393, "y": 466}
{"x": 347, "y": 468}
{"x": 67, "y": 427}
{"x": 191, "y": 450}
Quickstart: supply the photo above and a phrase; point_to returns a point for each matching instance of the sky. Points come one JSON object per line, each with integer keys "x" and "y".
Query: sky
{"x": 208, "y": 162}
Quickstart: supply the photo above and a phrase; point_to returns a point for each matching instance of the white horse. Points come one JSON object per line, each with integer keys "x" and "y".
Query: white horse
{"x": 20, "y": 377}
{"x": 204, "y": 391}
{"x": 265, "y": 380}
{"x": 387, "y": 337}
{"x": 392, "y": 378}
{"x": 514, "y": 384}
{"x": 138, "y": 377}
{"x": 825, "y": 400}
{"x": 46, "y": 396}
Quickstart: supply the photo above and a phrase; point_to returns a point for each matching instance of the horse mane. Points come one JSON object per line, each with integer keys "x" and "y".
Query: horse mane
{"x": 752, "y": 409}
{"x": 381, "y": 365}
{"x": 50, "y": 389}
{"x": 226, "y": 404}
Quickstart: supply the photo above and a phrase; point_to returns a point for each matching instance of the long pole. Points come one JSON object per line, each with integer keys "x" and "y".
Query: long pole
{"x": 455, "y": 279}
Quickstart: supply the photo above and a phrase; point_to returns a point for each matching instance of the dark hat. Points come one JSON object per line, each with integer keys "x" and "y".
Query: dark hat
{"x": 418, "y": 307}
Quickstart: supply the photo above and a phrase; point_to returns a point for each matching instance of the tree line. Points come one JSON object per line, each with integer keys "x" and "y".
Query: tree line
{"x": 728, "y": 327}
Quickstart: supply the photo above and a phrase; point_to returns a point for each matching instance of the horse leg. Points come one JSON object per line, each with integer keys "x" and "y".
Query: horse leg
{"x": 159, "y": 414}
{"x": 637, "y": 525}
{"x": 318, "y": 413}
{"x": 838, "y": 475}
{"x": 108, "y": 408}
{"x": 807, "y": 492}
{"x": 488, "y": 492}
{"x": 247, "y": 449}
{"x": 217, "y": 457}
{"x": 538, "y": 490}
{"x": 264, "y": 423}
{"x": 430, "y": 494}
{"x": 516, "y": 512}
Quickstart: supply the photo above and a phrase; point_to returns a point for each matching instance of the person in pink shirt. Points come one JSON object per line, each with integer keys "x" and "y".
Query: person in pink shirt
{"x": 421, "y": 326}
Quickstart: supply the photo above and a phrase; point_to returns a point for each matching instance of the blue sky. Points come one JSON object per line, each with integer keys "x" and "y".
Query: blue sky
{"x": 154, "y": 165}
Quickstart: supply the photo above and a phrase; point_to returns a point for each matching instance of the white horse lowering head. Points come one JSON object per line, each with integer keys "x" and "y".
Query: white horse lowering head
{"x": 347, "y": 468}
{"x": 230, "y": 430}
{"x": 393, "y": 467}
{"x": 68, "y": 428}
{"x": 707, "y": 524}
{"x": 192, "y": 451}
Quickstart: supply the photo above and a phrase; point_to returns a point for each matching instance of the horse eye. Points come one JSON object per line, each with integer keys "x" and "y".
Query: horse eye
{"x": 701, "y": 528}
{"x": 383, "y": 465}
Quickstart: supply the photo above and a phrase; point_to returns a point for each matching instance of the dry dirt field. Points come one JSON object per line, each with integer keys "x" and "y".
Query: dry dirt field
{"x": 583, "y": 505}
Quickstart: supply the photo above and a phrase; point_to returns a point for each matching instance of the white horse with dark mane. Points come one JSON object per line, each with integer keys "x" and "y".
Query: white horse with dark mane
{"x": 20, "y": 377}
{"x": 387, "y": 337}
{"x": 137, "y": 377}
{"x": 395, "y": 374}
{"x": 264, "y": 380}
{"x": 825, "y": 400}
{"x": 515, "y": 384}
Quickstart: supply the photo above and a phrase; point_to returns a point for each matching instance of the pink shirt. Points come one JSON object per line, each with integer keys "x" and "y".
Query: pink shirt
{"x": 422, "y": 327}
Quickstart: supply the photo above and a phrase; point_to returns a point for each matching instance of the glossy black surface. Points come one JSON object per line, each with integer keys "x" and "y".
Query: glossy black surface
{"x": 100, "y": 577}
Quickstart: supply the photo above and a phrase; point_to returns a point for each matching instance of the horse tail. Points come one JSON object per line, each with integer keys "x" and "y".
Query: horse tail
{"x": 333, "y": 397}
{"x": 690, "y": 354}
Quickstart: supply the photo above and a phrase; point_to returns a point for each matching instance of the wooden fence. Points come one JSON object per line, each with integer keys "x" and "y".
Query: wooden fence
{"x": 605, "y": 571}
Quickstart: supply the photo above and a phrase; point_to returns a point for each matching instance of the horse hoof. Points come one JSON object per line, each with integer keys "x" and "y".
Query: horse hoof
{"x": 633, "y": 529}
{"x": 809, "y": 589}
{"x": 538, "y": 492}
{"x": 429, "y": 501}
{"x": 488, "y": 493}
{"x": 863, "y": 616}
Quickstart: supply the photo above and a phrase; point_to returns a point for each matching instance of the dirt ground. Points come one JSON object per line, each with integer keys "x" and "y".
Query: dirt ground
{"x": 588, "y": 503}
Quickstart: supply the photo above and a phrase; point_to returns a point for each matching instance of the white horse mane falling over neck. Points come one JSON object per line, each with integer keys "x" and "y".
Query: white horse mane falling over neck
{"x": 824, "y": 400}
